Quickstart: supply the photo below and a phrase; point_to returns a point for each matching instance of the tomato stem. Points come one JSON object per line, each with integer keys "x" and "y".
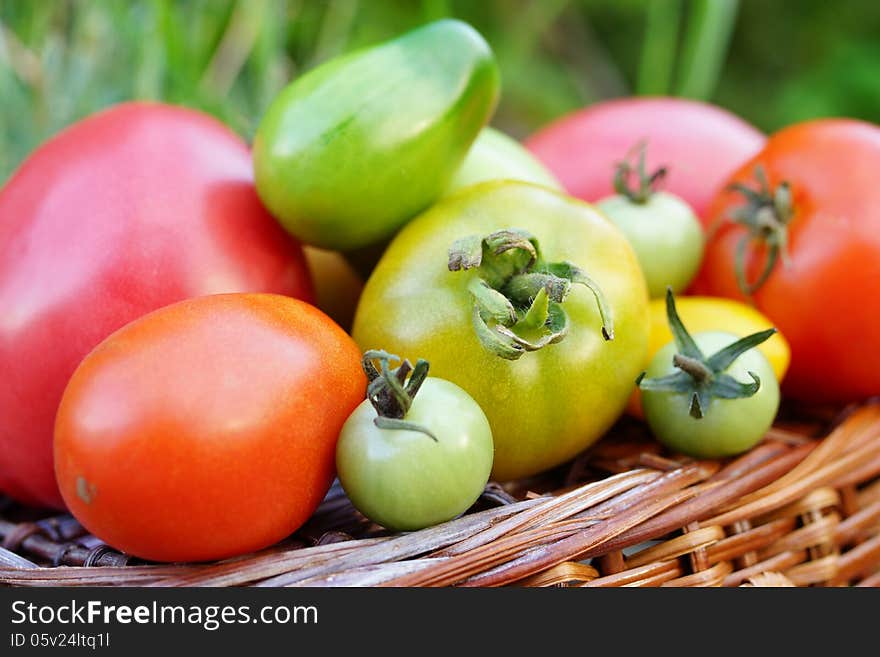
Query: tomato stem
{"x": 396, "y": 424}
{"x": 391, "y": 392}
{"x": 645, "y": 183}
{"x": 518, "y": 298}
{"x": 693, "y": 366}
{"x": 766, "y": 215}
{"x": 699, "y": 377}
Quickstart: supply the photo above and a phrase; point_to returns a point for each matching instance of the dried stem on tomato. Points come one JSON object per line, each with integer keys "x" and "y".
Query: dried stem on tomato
{"x": 391, "y": 391}
{"x": 645, "y": 182}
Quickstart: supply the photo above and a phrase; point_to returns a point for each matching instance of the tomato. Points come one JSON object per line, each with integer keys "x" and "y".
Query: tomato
{"x": 496, "y": 156}
{"x": 709, "y": 395}
{"x": 515, "y": 329}
{"x": 207, "y": 428}
{"x": 701, "y": 144}
{"x": 822, "y": 290}
{"x": 702, "y": 314}
{"x": 662, "y": 228}
{"x": 337, "y": 285}
{"x": 131, "y": 209}
{"x": 353, "y": 149}
{"x": 410, "y": 468}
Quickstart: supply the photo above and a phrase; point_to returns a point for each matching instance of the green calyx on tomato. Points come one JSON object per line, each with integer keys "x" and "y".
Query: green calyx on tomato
{"x": 703, "y": 378}
{"x": 517, "y": 296}
{"x": 390, "y": 393}
{"x": 646, "y": 183}
{"x": 765, "y": 215}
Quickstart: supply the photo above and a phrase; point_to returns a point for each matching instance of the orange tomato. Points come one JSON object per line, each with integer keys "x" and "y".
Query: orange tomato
{"x": 207, "y": 428}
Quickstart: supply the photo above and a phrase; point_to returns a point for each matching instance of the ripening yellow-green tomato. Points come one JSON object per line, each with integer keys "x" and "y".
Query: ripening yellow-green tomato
{"x": 511, "y": 291}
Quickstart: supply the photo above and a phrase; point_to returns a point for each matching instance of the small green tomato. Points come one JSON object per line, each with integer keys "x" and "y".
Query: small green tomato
{"x": 408, "y": 462}
{"x": 709, "y": 407}
{"x": 661, "y": 227}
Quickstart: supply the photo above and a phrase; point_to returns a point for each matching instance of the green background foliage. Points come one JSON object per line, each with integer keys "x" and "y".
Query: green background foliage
{"x": 772, "y": 62}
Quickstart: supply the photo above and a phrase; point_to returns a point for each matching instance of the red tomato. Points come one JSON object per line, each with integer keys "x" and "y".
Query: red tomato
{"x": 700, "y": 143}
{"x": 826, "y": 301}
{"x": 131, "y": 209}
{"x": 207, "y": 428}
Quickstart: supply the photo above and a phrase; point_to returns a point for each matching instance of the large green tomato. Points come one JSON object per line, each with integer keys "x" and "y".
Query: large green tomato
{"x": 496, "y": 156}
{"x": 547, "y": 379}
{"x": 727, "y": 426}
{"x": 350, "y": 151}
{"x": 407, "y": 480}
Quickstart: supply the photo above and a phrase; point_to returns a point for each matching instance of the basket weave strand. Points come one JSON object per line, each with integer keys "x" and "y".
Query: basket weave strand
{"x": 800, "y": 509}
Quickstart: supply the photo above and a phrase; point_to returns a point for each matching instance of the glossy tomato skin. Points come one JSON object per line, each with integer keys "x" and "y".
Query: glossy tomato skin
{"x": 827, "y": 300}
{"x": 728, "y": 426}
{"x": 550, "y": 404}
{"x": 404, "y": 480}
{"x": 128, "y": 210}
{"x": 207, "y": 428}
{"x": 702, "y": 144}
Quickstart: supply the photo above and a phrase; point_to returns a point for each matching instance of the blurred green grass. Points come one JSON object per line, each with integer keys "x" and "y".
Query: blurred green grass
{"x": 771, "y": 62}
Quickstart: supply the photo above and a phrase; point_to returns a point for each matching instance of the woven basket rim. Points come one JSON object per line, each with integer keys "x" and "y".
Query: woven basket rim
{"x": 802, "y": 508}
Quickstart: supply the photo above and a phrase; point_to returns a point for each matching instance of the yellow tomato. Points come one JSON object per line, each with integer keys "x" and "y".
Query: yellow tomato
{"x": 700, "y": 313}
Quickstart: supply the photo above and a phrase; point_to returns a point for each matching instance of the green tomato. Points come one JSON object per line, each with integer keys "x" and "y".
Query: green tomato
{"x": 666, "y": 235}
{"x": 496, "y": 156}
{"x": 350, "y": 151}
{"x": 728, "y": 426}
{"x": 406, "y": 480}
{"x": 545, "y": 405}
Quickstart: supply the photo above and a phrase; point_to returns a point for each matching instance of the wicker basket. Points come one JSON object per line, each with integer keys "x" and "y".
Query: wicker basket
{"x": 800, "y": 509}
